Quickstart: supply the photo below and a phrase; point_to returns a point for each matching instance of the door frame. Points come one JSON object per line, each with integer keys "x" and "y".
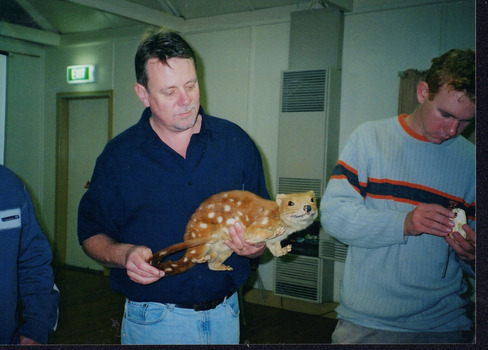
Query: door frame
{"x": 62, "y": 157}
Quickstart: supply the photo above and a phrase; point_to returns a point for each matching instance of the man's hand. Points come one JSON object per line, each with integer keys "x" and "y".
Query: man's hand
{"x": 240, "y": 246}
{"x": 27, "y": 341}
{"x": 431, "y": 219}
{"x": 133, "y": 258}
{"x": 138, "y": 268}
{"x": 465, "y": 248}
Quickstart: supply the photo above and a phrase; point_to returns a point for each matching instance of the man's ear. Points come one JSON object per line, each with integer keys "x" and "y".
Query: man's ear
{"x": 142, "y": 93}
{"x": 422, "y": 92}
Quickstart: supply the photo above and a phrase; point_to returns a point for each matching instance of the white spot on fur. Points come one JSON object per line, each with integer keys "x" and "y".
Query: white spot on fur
{"x": 220, "y": 219}
{"x": 239, "y": 213}
{"x": 211, "y": 214}
{"x": 193, "y": 235}
{"x": 193, "y": 251}
{"x": 239, "y": 203}
{"x": 210, "y": 206}
{"x": 230, "y": 221}
{"x": 227, "y": 207}
{"x": 185, "y": 259}
{"x": 264, "y": 221}
{"x": 203, "y": 225}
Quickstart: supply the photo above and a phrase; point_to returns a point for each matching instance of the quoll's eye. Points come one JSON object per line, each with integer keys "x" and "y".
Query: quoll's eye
{"x": 291, "y": 203}
{"x": 311, "y": 200}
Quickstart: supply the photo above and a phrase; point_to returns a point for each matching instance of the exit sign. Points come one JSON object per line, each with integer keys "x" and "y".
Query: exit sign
{"x": 80, "y": 74}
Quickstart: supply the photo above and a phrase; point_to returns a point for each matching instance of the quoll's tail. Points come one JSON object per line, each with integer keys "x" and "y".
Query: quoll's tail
{"x": 174, "y": 267}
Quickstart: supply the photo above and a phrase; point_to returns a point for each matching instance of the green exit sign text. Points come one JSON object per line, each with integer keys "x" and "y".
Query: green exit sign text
{"x": 80, "y": 74}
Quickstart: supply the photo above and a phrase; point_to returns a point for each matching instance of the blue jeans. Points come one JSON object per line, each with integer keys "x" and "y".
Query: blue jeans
{"x": 156, "y": 323}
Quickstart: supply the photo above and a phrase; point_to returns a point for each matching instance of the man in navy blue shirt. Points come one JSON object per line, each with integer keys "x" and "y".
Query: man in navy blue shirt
{"x": 146, "y": 184}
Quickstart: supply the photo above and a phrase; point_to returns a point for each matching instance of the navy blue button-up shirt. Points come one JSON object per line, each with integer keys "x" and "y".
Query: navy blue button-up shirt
{"x": 143, "y": 192}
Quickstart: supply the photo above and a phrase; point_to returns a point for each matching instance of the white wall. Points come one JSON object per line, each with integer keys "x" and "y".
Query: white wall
{"x": 380, "y": 44}
{"x": 240, "y": 79}
{"x": 24, "y": 132}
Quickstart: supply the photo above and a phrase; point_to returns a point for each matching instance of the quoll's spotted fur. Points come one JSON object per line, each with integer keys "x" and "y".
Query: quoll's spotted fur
{"x": 264, "y": 221}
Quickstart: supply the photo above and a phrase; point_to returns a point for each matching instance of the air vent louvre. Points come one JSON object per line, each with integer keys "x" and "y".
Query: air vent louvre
{"x": 303, "y": 91}
{"x": 296, "y": 290}
{"x": 292, "y": 185}
{"x": 298, "y": 277}
{"x": 332, "y": 250}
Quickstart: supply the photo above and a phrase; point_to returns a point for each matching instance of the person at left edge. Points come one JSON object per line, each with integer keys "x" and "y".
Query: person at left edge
{"x": 147, "y": 183}
{"x": 29, "y": 298}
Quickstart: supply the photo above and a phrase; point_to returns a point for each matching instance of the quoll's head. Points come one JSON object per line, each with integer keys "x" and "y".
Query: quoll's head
{"x": 297, "y": 208}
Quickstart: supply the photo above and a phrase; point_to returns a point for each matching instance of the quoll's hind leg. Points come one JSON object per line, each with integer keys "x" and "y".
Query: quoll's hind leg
{"x": 217, "y": 258}
{"x": 202, "y": 260}
{"x": 276, "y": 249}
{"x": 198, "y": 254}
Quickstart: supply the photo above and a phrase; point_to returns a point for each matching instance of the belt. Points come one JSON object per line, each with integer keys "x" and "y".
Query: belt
{"x": 204, "y": 306}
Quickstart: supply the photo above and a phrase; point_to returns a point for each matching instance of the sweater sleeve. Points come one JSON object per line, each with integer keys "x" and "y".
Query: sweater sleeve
{"x": 38, "y": 293}
{"x": 344, "y": 213}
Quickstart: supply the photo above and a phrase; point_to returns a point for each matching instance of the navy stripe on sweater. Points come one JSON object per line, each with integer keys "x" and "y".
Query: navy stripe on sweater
{"x": 400, "y": 191}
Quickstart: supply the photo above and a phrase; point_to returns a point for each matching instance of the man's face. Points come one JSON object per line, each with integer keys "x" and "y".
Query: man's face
{"x": 172, "y": 94}
{"x": 446, "y": 115}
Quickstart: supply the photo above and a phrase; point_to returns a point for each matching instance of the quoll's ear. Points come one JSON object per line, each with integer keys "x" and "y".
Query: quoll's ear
{"x": 279, "y": 198}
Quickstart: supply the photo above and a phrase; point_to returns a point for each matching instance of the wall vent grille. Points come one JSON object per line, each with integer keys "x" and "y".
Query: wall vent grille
{"x": 332, "y": 250}
{"x": 303, "y": 91}
{"x": 298, "y": 277}
{"x": 292, "y": 185}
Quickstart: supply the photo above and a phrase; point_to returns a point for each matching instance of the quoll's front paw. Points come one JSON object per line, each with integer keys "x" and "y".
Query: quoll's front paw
{"x": 278, "y": 232}
{"x": 284, "y": 250}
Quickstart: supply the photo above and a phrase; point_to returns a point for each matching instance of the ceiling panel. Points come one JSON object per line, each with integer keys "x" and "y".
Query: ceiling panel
{"x": 59, "y": 17}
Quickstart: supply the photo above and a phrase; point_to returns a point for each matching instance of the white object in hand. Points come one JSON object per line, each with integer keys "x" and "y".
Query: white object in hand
{"x": 459, "y": 221}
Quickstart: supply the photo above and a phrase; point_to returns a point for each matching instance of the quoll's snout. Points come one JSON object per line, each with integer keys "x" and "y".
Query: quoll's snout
{"x": 307, "y": 208}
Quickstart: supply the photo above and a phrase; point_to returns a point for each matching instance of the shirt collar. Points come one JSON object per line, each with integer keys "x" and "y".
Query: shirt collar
{"x": 146, "y": 126}
{"x": 408, "y": 130}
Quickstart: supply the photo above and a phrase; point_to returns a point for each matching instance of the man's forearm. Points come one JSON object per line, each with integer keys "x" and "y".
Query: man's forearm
{"x": 105, "y": 250}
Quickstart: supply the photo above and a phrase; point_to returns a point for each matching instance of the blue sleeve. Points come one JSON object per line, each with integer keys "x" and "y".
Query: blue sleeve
{"x": 344, "y": 214}
{"x": 38, "y": 294}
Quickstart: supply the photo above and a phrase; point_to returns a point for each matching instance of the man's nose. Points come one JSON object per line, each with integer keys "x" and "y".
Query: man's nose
{"x": 453, "y": 127}
{"x": 184, "y": 98}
